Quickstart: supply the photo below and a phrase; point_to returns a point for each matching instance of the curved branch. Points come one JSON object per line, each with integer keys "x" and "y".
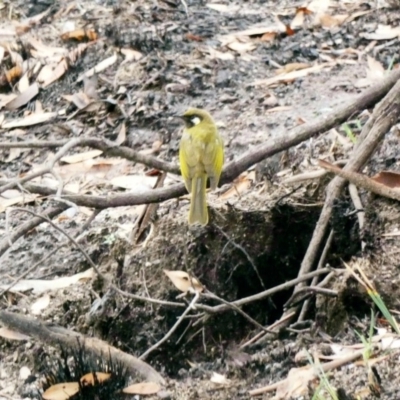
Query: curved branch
{"x": 56, "y": 335}
{"x": 107, "y": 146}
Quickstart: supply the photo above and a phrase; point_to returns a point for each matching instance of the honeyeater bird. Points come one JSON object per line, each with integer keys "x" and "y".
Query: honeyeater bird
{"x": 201, "y": 156}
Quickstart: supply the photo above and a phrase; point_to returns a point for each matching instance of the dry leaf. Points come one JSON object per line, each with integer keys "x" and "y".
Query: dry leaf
{"x": 268, "y": 37}
{"x": 40, "y": 304}
{"x": 319, "y": 6}
{"x": 383, "y": 32}
{"x": 6, "y": 98}
{"x": 183, "y": 281}
{"x": 298, "y": 20}
{"x": 388, "y": 178}
{"x": 142, "y": 388}
{"x": 12, "y": 335}
{"x": 24, "y": 98}
{"x": 90, "y": 379}
{"x": 79, "y": 99}
{"x": 41, "y": 285}
{"x": 79, "y": 157}
{"x": 61, "y": 391}
{"x": 33, "y": 119}
{"x": 240, "y": 185}
{"x": 241, "y": 47}
{"x": 331, "y": 21}
{"x": 194, "y": 38}
{"x": 296, "y": 384}
{"x": 131, "y": 55}
{"x": 219, "y": 54}
{"x": 121, "y": 135}
{"x": 99, "y": 67}
{"x": 220, "y": 379}
{"x": 291, "y": 76}
{"x": 137, "y": 182}
{"x": 223, "y": 7}
{"x": 375, "y": 72}
{"x": 292, "y": 67}
{"x": 20, "y": 199}
{"x": 23, "y": 83}
{"x": 80, "y": 34}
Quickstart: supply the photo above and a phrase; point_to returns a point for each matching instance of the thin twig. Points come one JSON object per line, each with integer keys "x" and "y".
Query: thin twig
{"x": 173, "y": 329}
{"x": 355, "y": 198}
{"x": 210, "y": 295}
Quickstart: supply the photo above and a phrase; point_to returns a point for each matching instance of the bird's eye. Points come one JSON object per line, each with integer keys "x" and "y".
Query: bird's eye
{"x": 195, "y": 120}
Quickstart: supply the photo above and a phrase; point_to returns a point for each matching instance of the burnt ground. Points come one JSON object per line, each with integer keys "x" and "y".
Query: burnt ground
{"x": 268, "y": 226}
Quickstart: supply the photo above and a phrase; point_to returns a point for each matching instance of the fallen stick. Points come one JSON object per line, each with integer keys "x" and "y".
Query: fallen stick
{"x": 58, "y": 336}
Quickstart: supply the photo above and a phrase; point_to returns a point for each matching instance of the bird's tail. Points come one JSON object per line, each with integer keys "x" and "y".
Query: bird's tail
{"x": 198, "y": 205}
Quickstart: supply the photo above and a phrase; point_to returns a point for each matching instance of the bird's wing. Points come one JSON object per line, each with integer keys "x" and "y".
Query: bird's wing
{"x": 187, "y": 160}
{"x": 214, "y": 161}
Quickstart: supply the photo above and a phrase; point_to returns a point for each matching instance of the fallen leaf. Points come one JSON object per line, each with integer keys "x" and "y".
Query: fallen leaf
{"x": 52, "y": 72}
{"x": 40, "y": 304}
{"x": 79, "y": 157}
{"x": 241, "y": 47}
{"x": 94, "y": 377}
{"x": 223, "y": 7}
{"x": 20, "y": 199}
{"x": 131, "y": 55}
{"x": 12, "y": 335}
{"x": 33, "y": 119}
{"x": 331, "y": 21}
{"x": 298, "y": 20}
{"x": 183, "y": 282}
{"x": 268, "y": 37}
{"x": 121, "y": 135}
{"x": 388, "y": 178}
{"x": 278, "y": 109}
{"x": 23, "y": 98}
{"x": 291, "y": 76}
{"x": 375, "y": 72}
{"x": 108, "y": 62}
{"x": 137, "y": 182}
{"x": 6, "y": 98}
{"x": 41, "y": 285}
{"x": 142, "y": 388}
{"x": 219, "y": 54}
{"x": 219, "y": 379}
{"x": 80, "y": 34}
{"x": 240, "y": 185}
{"x": 296, "y": 384}
{"x": 194, "y": 38}
{"x": 383, "y": 32}
{"x": 79, "y": 99}
{"x": 61, "y": 391}
{"x": 292, "y": 67}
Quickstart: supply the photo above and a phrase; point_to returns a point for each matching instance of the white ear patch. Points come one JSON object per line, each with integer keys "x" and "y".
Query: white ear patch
{"x": 195, "y": 120}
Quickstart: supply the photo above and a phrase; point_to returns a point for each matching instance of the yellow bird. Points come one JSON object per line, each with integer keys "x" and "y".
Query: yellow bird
{"x": 201, "y": 155}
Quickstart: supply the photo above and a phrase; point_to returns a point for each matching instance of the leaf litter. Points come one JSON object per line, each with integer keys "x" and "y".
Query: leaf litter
{"x": 246, "y": 41}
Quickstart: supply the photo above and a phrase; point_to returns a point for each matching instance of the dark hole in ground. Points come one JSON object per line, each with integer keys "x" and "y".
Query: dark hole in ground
{"x": 224, "y": 256}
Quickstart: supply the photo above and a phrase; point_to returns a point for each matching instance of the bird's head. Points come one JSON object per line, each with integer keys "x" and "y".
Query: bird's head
{"x": 195, "y": 116}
